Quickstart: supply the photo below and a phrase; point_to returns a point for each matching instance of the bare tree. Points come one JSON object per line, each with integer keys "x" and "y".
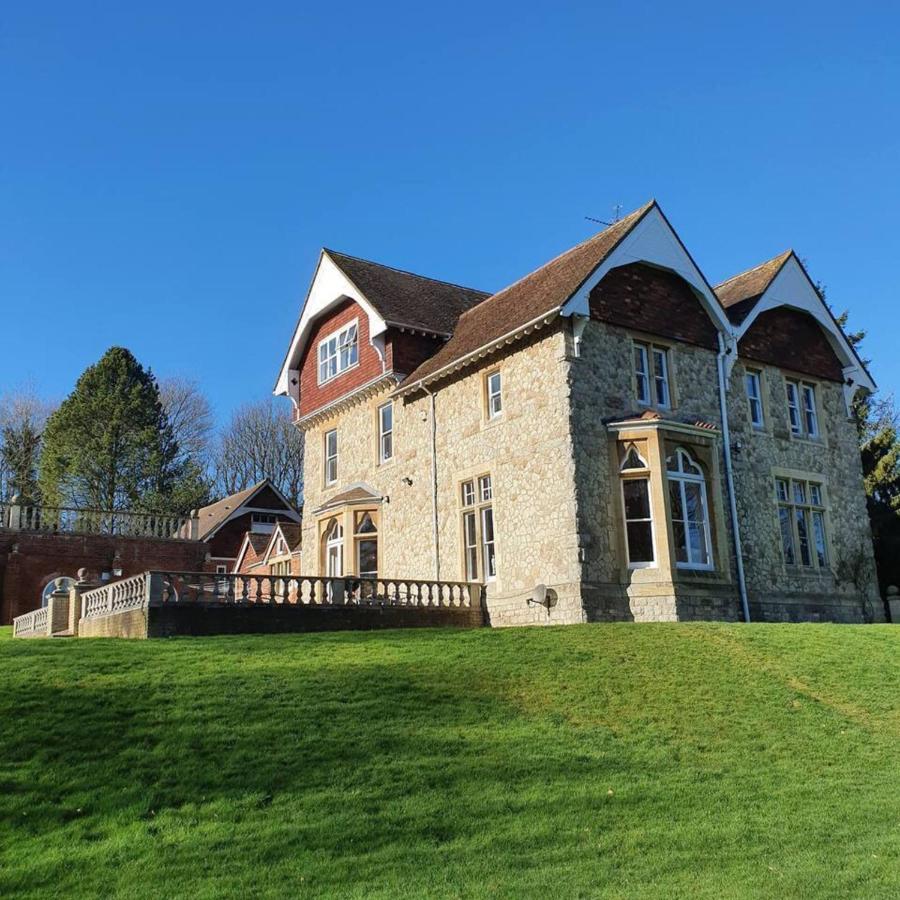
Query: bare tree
{"x": 23, "y": 415}
{"x": 261, "y": 441}
{"x": 190, "y": 418}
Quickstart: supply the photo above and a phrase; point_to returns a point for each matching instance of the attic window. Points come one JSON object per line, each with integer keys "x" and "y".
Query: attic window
{"x": 262, "y": 523}
{"x": 338, "y": 352}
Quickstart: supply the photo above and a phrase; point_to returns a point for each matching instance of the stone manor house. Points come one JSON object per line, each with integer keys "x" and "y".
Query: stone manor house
{"x": 610, "y": 437}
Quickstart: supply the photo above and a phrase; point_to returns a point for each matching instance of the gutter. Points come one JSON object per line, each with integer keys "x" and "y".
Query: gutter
{"x": 729, "y": 477}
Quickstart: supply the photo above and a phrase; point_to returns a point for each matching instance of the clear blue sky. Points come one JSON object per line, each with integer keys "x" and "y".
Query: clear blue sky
{"x": 168, "y": 171}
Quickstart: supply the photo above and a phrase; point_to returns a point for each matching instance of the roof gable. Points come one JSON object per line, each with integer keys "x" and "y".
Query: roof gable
{"x": 214, "y": 516}
{"x": 790, "y": 286}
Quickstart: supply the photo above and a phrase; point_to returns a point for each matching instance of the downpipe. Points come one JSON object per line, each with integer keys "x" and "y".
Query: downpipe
{"x": 729, "y": 478}
{"x": 435, "y": 534}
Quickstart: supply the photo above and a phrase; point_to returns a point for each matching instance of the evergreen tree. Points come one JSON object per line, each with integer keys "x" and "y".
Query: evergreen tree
{"x": 110, "y": 446}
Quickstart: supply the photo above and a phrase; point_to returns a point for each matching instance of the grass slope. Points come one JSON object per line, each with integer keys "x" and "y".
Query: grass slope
{"x": 590, "y": 761}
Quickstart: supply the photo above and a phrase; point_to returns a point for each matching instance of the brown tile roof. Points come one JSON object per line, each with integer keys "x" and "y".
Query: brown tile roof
{"x": 216, "y": 513}
{"x": 652, "y": 415}
{"x": 541, "y": 292}
{"x": 258, "y": 542}
{"x": 740, "y": 292}
{"x": 291, "y": 532}
{"x": 351, "y": 495}
{"x": 403, "y": 298}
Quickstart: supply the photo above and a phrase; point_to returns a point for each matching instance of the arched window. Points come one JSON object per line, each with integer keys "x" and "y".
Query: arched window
{"x": 690, "y": 513}
{"x": 366, "y": 539}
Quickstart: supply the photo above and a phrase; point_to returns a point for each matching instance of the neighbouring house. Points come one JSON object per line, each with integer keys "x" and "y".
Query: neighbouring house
{"x": 225, "y": 525}
{"x": 610, "y": 437}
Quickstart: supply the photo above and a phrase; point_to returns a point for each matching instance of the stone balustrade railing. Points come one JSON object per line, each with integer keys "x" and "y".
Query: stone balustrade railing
{"x": 192, "y": 587}
{"x": 71, "y": 520}
{"x": 129, "y": 593}
{"x": 158, "y": 588}
{"x": 32, "y": 624}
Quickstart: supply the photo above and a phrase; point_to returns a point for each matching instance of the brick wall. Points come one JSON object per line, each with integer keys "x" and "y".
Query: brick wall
{"x": 28, "y": 562}
{"x": 314, "y": 396}
{"x": 651, "y": 300}
{"x": 791, "y": 339}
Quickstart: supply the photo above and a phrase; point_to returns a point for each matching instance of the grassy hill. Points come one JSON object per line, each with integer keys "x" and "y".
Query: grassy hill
{"x": 590, "y": 761}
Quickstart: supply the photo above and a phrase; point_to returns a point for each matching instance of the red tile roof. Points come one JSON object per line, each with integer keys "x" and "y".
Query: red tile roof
{"x": 540, "y": 293}
{"x": 739, "y": 293}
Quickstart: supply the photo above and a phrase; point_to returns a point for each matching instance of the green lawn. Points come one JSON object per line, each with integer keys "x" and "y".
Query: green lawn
{"x": 597, "y": 760}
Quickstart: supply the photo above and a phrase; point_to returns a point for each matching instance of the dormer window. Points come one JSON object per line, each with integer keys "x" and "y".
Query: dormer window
{"x": 338, "y": 352}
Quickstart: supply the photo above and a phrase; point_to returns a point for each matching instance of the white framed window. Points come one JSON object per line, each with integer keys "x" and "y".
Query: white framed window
{"x": 478, "y": 533}
{"x": 689, "y": 511}
{"x": 221, "y": 570}
{"x": 331, "y": 456}
{"x": 753, "y": 383}
{"x": 638, "y": 517}
{"x": 365, "y": 535}
{"x": 802, "y": 522}
{"x": 385, "y": 432}
{"x": 262, "y": 523}
{"x": 651, "y": 375}
{"x": 494, "y": 394}
{"x": 338, "y": 352}
{"x": 802, "y": 412}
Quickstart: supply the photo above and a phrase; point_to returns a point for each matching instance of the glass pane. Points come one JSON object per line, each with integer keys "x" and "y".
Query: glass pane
{"x": 675, "y": 500}
{"x": 803, "y": 537}
{"x": 640, "y": 542}
{"x": 365, "y": 525}
{"x": 387, "y": 446}
{"x": 472, "y": 564}
{"x": 637, "y": 498}
{"x": 387, "y": 417}
{"x": 678, "y": 533}
{"x": 468, "y": 493}
{"x": 487, "y": 525}
{"x": 815, "y": 494}
{"x": 819, "y": 534}
{"x": 693, "y": 496}
{"x": 799, "y": 492}
{"x": 699, "y": 550}
{"x": 781, "y": 489}
{"x": 787, "y": 535}
{"x": 633, "y": 461}
{"x": 484, "y": 487}
{"x": 368, "y": 557}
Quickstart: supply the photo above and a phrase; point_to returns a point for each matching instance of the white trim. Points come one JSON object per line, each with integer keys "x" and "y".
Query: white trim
{"x": 791, "y": 288}
{"x": 329, "y": 287}
{"x": 652, "y": 241}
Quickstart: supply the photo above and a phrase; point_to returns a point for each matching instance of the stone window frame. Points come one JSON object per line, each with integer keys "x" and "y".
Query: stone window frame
{"x": 644, "y": 475}
{"x": 810, "y": 481}
{"x": 490, "y": 417}
{"x": 327, "y": 458}
{"x": 380, "y": 433}
{"x": 649, "y": 345}
{"x": 759, "y": 374}
{"x": 476, "y": 498}
{"x": 336, "y": 336}
{"x": 347, "y": 515}
{"x": 801, "y": 385}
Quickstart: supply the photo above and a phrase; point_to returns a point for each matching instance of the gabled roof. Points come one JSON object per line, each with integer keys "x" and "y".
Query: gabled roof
{"x": 739, "y": 293}
{"x": 291, "y": 534}
{"x": 214, "y": 516}
{"x": 355, "y": 493}
{"x": 540, "y": 293}
{"x": 258, "y": 542}
{"x": 406, "y": 299}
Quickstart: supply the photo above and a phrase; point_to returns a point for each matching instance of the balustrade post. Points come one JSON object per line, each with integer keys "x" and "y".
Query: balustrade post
{"x": 154, "y": 586}
{"x": 15, "y": 514}
{"x": 893, "y": 602}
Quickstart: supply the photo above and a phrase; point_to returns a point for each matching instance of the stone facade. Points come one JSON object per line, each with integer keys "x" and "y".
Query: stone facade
{"x": 558, "y": 457}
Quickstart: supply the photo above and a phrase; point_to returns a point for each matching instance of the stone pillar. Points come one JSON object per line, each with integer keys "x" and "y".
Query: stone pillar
{"x": 58, "y": 609}
{"x": 893, "y": 602}
{"x": 81, "y": 585}
{"x": 15, "y": 514}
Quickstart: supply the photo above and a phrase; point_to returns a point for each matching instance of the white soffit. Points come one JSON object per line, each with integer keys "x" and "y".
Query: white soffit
{"x": 330, "y": 286}
{"x": 792, "y": 288}
{"x": 651, "y": 241}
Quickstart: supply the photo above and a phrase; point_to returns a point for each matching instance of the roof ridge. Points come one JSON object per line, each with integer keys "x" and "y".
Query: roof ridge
{"x": 784, "y": 253}
{"x": 633, "y": 214}
{"x": 373, "y": 262}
